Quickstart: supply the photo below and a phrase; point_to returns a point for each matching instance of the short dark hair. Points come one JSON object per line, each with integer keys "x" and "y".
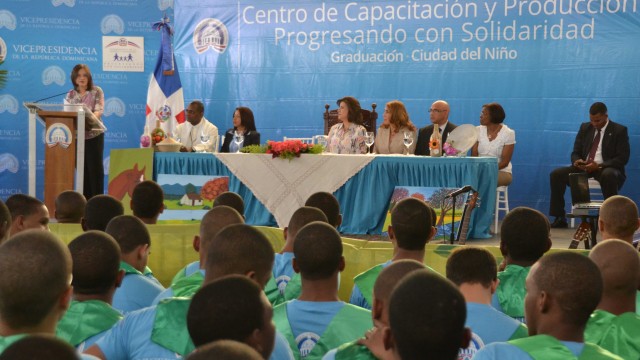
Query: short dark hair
{"x": 5, "y": 220}
{"x": 303, "y": 216}
{"x": 198, "y": 105}
{"x": 96, "y": 263}
{"x": 471, "y": 265}
{"x": 39, "y": 346}
{"x": 391, "y": 275}
{"x": 74, "y": 76}
{"x": 620, "y": 215}
{"x": 355, "y": 111}
{"x": 573, "y": 280}
{"x": 427, "y": 314}
{"x": 224, "y": 349}
{"x": 228, "y": 308}
{"x": 215, "y": 220}
{"x": 147, "y": 199}
{"x": 412, "y": 224}
{"x": 246, "y": 118}
{"x": 598, "y": 108}
{"x": 35, "y": 270}
{"x": 328, "y": 204}
{"x": 100, "y": 210}
{"x": 318, "y": 250}
{"x": 129, "y": 232}
{"x": 70, "y": 207}
{"x": 231, "y": 199}
{"x": 525, "y": 234}
{"x": 620, "y": 267}
{"x": 22, "y": 205}
{"x": 495, "y": 112}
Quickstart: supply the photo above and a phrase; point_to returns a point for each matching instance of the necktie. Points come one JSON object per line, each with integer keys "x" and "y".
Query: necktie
{"x": 594, "y": 146}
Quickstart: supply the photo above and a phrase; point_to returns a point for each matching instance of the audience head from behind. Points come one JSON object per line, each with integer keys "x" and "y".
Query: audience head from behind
{"x": 524, "y": 236}
{"x": 301, "y": 217}
{"x": 618, "y": 218}
{"x": 317, "y": 251}
{"x": 427, "y": 314}
{"x": 5, "y": 222}
{"x": 239, "y": 250}
{"x": 230, "y": 199}
{"x": 133, "y": 237}
{"x": 70, "y": 207}
{"x": 99, "y": 211}
{"x": 563, "y": 289}
{"x": 35, "y": 283}
{"x": 389, "y": 277}
{"x": 328, "y": 204}
{"x": 232, "y": 308}
{"x": 39, "y": 346}
{"x": 212, "y": 222}
{"x": 96, "y": 266}
{"x": 470, "y": 265}
{"x": 412, "y": 224}
{"x": 225, "y": 349}
{"x": 619, "y": 265}
{"x": 27, "y": 212}
{"x": 147, "y": 201}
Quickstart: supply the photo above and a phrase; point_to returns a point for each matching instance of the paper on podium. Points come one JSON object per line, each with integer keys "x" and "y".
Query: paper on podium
{"x": 93, "y": 123}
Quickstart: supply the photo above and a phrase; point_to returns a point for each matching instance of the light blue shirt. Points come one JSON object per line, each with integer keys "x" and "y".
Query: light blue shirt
{"x": 281, "y": 348}
{"x": 357, "y": 298}
{"x": 503, "y": 350}
{"x": 136, "y": 292}
{"x": 331, "y": 355}
{"x": 309, "y": 320}
{"x": 283, "y": 270}
{"x": 488, "y": 326}
{"x": 191, "y": 268}
{"x": 495, "y": 303}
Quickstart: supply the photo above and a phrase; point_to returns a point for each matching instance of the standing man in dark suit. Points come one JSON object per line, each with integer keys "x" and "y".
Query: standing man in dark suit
{"x": 601, "y": 149}
{"x": 438, "y": 114}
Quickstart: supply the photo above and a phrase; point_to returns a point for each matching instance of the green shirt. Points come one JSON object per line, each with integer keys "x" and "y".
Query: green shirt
{"x": 85, "y": 319}
{"x": 354, "y": 351}
{"x": 618, "y": 334}
{"x": 511, "y": 290}
{"x": 170, "y": 326}
{"x": 5, "y": 342}
{"x": 545, "y": 347}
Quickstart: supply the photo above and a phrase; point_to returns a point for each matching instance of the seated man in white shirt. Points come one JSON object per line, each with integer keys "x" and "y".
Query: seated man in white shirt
{"x": 197, "y": 133}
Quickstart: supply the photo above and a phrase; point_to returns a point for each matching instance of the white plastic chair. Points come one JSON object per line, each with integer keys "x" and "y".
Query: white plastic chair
{"x": 502, "y": 204}
{"x": 595, "y": 195}
{"x": 305, "y": 140}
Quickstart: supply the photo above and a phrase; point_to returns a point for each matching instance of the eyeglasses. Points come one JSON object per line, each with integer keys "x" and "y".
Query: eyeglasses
{"x": 436, "y": 111}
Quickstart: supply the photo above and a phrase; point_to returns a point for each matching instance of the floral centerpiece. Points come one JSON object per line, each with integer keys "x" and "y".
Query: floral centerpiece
{"x": 287, "y": 149}
{"x": 449, "y": 149}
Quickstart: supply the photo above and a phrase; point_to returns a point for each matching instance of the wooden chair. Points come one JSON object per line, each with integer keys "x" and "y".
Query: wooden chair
{"x": 368, "y": 118}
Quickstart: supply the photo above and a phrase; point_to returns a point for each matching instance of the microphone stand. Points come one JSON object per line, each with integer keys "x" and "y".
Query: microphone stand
{"x": 453, "y": 217}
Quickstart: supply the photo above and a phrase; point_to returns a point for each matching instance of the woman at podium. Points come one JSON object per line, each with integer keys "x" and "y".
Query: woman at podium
{"x": 85, "y": 92}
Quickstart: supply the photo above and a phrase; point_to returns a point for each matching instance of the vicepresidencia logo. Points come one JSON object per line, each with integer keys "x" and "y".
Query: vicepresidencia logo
{"x": 7, "y": 20}
{"x": 112, "y": 23}
{"x": 9, "y": 104}
{"x": 69, "y": 3}
{"x": 210, "y": 34}
{"x": 115, "y": 106}
{"x": 58, "y": 134}
{"x": 8, "y": 162}
{"x": 165, "y": 4}
{"x": 53, "y": 74}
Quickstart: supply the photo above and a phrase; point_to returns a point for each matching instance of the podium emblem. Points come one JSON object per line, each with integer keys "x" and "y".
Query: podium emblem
{"x": 58, "y": 134}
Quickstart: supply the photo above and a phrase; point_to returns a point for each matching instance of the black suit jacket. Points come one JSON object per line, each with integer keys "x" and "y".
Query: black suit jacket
{"x": 422, "y": 147}
{"x": 615, "y": 145}
{"x": 250, "y": 138}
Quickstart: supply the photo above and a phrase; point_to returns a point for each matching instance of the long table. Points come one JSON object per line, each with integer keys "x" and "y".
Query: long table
{"x": 364, "y": 189}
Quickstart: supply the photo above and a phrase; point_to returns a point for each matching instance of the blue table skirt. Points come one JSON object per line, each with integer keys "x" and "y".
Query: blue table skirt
{"x": 364, "y": 199}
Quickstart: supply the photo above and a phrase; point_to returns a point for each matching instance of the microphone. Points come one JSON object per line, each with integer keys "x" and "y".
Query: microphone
{"x": 460, "y": 191}
{"x": 50, "y": 97}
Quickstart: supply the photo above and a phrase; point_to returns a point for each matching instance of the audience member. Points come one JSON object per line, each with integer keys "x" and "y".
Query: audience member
{"x": 614, "y": 325}
{"x": 27, "y": 212}
{"x": 347, "y": 136}
{"x": 385, "y": 283}
{"x": 328, "y": 204}
{"x": 231, "y": 199}
{"x": 524, "y": 238}
{"x": 70, "y": 207}
{"x": 618, "y": 218}
{"x": 139, "y": 287}
{"x": 285, "y": 283}
{"x": 563, "y": 289}
{"x": 438, "y": 114}
{"x": 96, "y": 275}
{"x": 190, "y": 131}
{"x": 39, "y": 346}
{"x": 474, "y": 271}
{"x": 35, "y": 285}
{"x": 147, "y": 201}
{"x": 225, "y": 350}
{"x": 390, "y": 137}
{"x": 426, "y": 316}
{"x": 495, "y": 139}
{"x": 411, "y": 228}
{"x": 5, "y": 222}
{"x": 99, "y": 211}
{"x": 318, "y": 321}
{"x": 243, "y": 124}
{"x": 238, "y": 308}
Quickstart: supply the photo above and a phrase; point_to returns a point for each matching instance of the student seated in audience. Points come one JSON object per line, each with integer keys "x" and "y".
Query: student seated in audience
{"x": 285, "y": 283}
{"x": 35, "y": 285}
{"x": 618, "y": 218}
{"x": 328, "y": 204}
{"x": 474, "y": 271}
{"x": 232, "y": 308}
{"x": 230, "y": 199}
{"x": 5, "y": 222}
{"x": 385, "y": 283}
{"x": 147, "y": 201}
{"x": 27, "y": 212}
{"x": 524, "y": 238}
{"x": 139, "y": 286}
{"x": 40, "y": 346}
{"x": 563, "y": 289}
{"x": 237, "y": 249}
{"x": 99, "y": 211}
{"x": 96, "y": 275}
{"x": 412, "y": 226}
{"x": 70, "y": 207}
{"x": 426, "y": 317}
{"x": 614, "y": 325}
{"x": 318, "y": 321}
{"x": 225, "y": 349}
{"x": 212, "y": 222}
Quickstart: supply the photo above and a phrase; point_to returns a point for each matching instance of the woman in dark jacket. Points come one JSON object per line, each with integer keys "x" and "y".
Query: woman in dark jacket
{"x": 243, "y": 123}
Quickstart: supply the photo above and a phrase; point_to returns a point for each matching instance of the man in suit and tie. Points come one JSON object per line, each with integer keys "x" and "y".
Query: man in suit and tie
{"x": 601, "y": 149}
{"x": 438, "y": 114}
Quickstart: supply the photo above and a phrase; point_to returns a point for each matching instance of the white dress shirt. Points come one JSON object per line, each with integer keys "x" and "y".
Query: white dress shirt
{"x": 190, "y": 138}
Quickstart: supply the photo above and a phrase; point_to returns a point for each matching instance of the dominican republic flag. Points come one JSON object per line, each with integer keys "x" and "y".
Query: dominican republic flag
{"x": 165, "y": 101}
